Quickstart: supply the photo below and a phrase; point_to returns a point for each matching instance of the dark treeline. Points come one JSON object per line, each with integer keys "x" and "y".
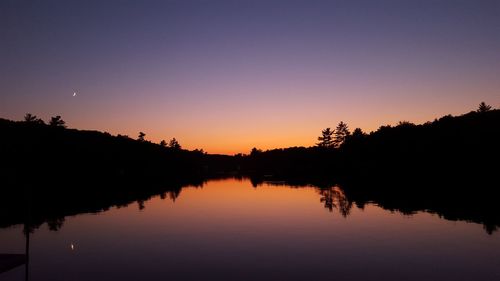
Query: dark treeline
{"x": 454, "y": 147}
{"x": 450, "y": 146}
{"x": 448, "y": 166}
{"x": 50, "y": 153}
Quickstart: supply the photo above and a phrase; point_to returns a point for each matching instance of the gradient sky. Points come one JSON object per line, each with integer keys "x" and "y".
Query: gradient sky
{"x": 226, "y": 76}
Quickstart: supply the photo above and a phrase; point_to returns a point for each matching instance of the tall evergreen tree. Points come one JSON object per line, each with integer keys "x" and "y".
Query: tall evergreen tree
{"x": 31, "y": 118}
{"x": 57, "y": 122}
{"x": 341, "y": 134}
{"x": 325, "y": 140}
{"x": 141, "y": 136}
{"x": 174, "y": 144}
{"x": 483, "y": 107}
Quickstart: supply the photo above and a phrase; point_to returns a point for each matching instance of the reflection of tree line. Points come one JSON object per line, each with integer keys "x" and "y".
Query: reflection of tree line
{"x": 171, "y": 194}
{"x": 454, "y": 206}
{"x": 335, "y": 198}
{"x": 332, "y": 197}
{"x": 36, "y": 209}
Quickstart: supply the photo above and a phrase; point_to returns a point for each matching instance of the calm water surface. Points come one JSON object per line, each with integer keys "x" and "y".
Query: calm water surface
{"x": 229, "y": 230}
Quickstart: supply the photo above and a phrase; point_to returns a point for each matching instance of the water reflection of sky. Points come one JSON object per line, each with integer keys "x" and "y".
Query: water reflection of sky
{"x": 229, "y": 230}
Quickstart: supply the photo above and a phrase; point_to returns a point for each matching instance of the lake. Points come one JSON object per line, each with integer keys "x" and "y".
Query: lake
{"x": 230, "y": 230}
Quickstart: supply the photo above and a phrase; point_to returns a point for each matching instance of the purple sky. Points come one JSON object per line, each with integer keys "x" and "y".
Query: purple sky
{"x": 226, "y": 76}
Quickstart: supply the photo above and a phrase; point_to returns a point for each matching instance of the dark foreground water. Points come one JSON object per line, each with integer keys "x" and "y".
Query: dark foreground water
{"x": 229, "y": 230}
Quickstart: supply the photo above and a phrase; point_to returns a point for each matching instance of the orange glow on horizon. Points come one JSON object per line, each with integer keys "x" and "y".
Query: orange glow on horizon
{"x": 225, "y": 128}
{"x": 232, "y": 137}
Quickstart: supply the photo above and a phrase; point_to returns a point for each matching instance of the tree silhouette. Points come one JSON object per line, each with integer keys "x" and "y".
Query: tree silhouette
{"x": 57, "y": 122}
{"x": 356, "y": 136}
{"x": 405, "y": 124}
{"x": 199, "y": 151}
{"x": 141, "y": 136}
{"x": 163, "y": 143}
{"x": 325, "y": 140}
{"x": 174, "y": 144}
{"x": 31, "y": 118}
{"x": 358, "y": 133}
{"x": 341, "y": 134}
{"x": 483, "y": 107}
{"x": 255, "y": 151}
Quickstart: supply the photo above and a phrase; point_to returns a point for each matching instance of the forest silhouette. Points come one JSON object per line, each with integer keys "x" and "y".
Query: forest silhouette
{"x": 447, "y": 166}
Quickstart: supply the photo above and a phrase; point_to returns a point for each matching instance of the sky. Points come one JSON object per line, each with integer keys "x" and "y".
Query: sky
{"x": 226, "y": 76}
